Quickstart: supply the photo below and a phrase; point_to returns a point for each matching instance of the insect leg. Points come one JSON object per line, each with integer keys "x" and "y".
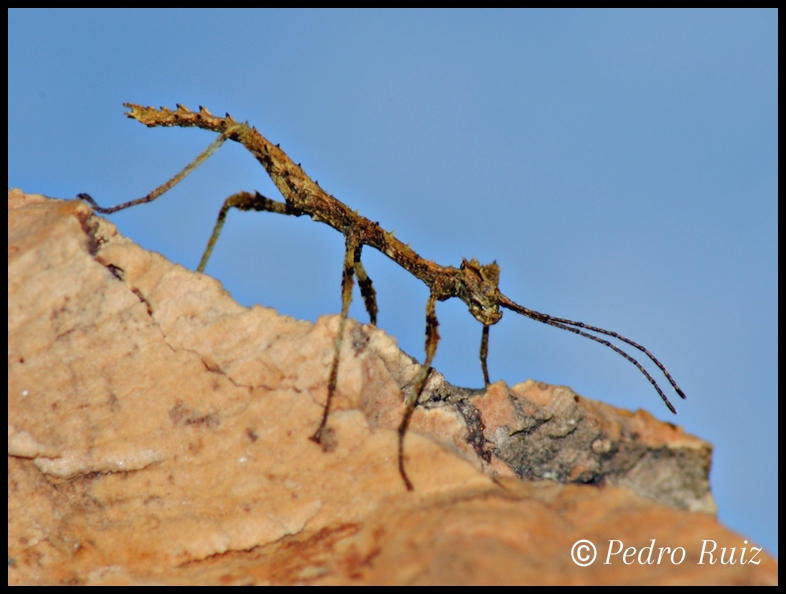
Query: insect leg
{"x": 432, "y": 338}
{"x": 214, "y": 146}
{"x": 484, "y": 353}
{"x": 366, "y": 289}
{"x": 243, "y": 201}
{"x": 352, "y": 253}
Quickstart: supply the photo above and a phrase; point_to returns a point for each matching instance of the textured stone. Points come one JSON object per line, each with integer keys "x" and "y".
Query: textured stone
{"x": 158, "y": 433}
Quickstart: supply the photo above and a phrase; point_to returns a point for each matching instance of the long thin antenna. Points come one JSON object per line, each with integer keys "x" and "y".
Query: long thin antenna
{"x": 573, "y": 326}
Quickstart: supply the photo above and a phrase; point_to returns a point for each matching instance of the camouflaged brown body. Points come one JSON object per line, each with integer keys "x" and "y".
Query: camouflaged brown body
{"x": 474, "y": 283}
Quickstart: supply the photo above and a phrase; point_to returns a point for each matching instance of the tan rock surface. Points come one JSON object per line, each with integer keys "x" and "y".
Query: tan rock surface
{"x": 158, "y": 433}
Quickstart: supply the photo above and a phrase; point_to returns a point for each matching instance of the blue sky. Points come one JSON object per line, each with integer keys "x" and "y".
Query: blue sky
{"x": 620, "y": 166}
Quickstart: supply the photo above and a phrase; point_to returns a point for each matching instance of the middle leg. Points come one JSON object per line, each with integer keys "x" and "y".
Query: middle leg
{"x": 352, "y": 253}
{"x": 366, "y": 290}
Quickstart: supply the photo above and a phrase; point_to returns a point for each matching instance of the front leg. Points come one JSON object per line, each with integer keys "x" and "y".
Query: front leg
{"x": 484, "y": 353}
{"x": 432, "y": 338}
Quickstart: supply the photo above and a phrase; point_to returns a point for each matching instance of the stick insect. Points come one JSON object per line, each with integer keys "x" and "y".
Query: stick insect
{"x": 474, "y": 283}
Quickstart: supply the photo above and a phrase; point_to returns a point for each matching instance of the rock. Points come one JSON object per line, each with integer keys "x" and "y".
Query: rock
{"x": 158, "y": 432}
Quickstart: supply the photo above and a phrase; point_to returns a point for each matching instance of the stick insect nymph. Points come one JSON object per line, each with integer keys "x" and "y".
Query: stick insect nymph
{"x": 474, "y": 283}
